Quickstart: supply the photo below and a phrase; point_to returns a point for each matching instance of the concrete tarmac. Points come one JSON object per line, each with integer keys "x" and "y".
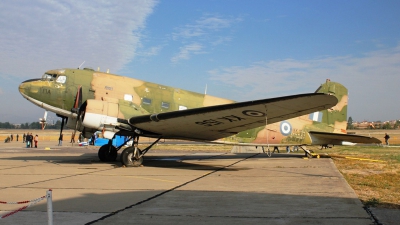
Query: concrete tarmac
{"x": 175, "y": 187}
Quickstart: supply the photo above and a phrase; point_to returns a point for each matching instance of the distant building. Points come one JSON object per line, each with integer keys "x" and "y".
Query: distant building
{"x": 375, "y": 125}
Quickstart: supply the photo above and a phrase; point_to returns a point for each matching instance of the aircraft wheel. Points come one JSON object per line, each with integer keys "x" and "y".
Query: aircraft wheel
{"x": 107, "y": 153}
{"x": 128, "y": 158}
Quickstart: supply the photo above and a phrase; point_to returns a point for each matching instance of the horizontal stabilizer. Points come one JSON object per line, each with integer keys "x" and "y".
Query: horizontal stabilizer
{"x": 337, "y": 139}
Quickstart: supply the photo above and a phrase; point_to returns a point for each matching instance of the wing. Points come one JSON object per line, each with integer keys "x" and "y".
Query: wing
{"x": 335, "y": 138}
{"x": 214, "y": 122}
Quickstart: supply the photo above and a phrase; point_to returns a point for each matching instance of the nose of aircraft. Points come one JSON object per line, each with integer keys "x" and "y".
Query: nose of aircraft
{"x": 22, "y": 87}
{"x": 26, "y": 87}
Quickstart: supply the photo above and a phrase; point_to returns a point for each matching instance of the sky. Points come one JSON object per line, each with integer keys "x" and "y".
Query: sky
{"x": 235, "y": 49}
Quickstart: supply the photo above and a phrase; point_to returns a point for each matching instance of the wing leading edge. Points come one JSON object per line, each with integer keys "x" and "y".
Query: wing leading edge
{"x": 214, "y": 122}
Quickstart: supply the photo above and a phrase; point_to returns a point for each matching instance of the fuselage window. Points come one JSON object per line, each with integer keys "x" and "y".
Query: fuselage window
{"x": 61, "y": 79}
{"x": 146, "y": 101}
{"x": 165, "y": 105}
{"x": 128, "y": 97}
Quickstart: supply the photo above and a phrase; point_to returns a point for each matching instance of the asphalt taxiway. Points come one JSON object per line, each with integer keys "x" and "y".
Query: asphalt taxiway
{"x": 175, "y": 187}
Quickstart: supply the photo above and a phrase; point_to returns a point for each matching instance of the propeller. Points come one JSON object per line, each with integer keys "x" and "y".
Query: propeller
{"x": 43, "y": 120}
{"x": 76, "y": 109}
{"x": 78, "y": 100}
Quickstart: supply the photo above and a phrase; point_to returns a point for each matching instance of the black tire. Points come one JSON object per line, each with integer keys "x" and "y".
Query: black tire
{"x": 127, "y": 158}
{"x": 107, "y": 153}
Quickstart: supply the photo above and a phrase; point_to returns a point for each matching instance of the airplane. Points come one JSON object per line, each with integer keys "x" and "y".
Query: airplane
{"x": 43, "y": 121}
{"x": 89, "y": 101}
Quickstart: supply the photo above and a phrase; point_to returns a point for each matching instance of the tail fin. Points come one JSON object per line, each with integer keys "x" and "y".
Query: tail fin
{"x": 336, "y": 117}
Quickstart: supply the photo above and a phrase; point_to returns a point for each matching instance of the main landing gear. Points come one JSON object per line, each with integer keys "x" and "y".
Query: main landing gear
{"x": 130, "y": 157}
{"x": 107, "y": 153}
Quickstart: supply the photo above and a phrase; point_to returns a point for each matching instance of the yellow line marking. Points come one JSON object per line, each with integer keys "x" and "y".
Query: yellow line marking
{"x": 372, "y": 160}
{"x": 362, "y": 159}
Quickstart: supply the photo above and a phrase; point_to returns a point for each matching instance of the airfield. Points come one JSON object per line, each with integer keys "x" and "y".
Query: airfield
{"x": 175, "y": 187}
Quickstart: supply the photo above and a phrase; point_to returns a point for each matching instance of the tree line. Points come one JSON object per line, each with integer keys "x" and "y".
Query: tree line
{"x": 33, "y": 125}
{"x": 374, "y": 125}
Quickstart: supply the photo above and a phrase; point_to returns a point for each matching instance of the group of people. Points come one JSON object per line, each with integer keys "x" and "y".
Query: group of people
{"x": 11, "y": 138}
{"x": 29, "y": 139}
{"x": 295, "y": 148}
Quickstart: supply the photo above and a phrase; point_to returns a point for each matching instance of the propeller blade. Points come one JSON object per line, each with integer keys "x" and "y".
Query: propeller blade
{"x": 76, "y": 109}
{"x": 78, "y": 100}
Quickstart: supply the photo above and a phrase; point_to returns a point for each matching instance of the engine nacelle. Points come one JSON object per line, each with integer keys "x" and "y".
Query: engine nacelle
{"x": 99, "y": 113}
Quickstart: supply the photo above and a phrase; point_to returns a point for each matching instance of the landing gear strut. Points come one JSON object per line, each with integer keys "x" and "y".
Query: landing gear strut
{"x": 309, "y": 153}
{"x": 133, "y": 156}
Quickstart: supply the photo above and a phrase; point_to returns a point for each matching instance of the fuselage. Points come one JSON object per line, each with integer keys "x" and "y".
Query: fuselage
{"x": 109, "y": 99}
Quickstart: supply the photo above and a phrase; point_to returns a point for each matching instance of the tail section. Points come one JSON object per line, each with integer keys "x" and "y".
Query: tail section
{"x": 335, "y": 119}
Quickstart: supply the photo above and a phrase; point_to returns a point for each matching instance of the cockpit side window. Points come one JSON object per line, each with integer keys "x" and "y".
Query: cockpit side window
{"x": 61, "y": 79}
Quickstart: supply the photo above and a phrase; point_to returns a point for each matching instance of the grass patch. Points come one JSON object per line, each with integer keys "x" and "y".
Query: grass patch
{"x": 377, "y": 183}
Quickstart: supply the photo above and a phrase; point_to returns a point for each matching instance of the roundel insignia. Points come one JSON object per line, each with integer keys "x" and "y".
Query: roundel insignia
{"x": 286, "y": 128}
{"x": 253, "y": 113}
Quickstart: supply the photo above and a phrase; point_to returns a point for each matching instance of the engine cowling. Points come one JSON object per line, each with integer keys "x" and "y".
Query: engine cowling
{"x": 99, "y": 113}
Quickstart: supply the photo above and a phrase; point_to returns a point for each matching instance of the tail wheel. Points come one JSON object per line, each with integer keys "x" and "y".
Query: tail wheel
{"x": 130, "y": 158}
{"x": 107, "y": 153}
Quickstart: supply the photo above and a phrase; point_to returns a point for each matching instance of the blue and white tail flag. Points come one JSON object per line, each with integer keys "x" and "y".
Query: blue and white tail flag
{"x": 316, "y": 116}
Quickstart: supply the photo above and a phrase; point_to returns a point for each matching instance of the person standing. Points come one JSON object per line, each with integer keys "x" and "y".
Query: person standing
{"x": 60, "y": 139}
{"x": 72, "y": 138}
{"x": 27, "y": 140}
{"x": 80, "y": 138}
{"x": 92, "y": 139}
{"x": 17, "y": 137}
{"x": 36, "y": 140}
{"x": 275, "y": 149}
{"x": 386, "y": 138}
{"x": 12, "y": 137}
{"x": 23, "y": 138}
{"x": 31, "y": 137}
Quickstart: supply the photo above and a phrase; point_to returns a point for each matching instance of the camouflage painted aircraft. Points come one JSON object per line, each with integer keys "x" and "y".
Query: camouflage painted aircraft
{"x": 93, "y": 101}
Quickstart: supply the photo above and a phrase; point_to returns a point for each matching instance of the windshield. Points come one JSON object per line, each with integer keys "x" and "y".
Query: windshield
{"x": 49, "y": 77}
{"x": 54, "y": 75}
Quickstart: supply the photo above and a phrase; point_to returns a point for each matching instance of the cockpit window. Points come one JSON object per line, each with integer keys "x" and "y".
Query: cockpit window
{"x": 49, "y": 77}
{"x": 61, "y": 79}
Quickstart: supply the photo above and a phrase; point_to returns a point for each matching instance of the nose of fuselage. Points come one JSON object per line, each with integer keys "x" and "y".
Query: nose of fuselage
{"x": 24, "y": 87}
